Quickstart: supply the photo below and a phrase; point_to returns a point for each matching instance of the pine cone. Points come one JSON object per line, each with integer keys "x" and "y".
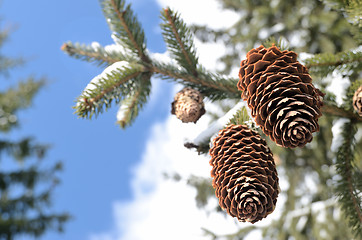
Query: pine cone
{"x": 245, "y": 177}
{"x": 357, "y": 101}
{"x": 188, "y": 105}
{"x": 281, "y": 96}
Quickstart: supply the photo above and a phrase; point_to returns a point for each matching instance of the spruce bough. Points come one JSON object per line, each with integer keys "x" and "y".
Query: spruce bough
{"x": 129, "y": 85}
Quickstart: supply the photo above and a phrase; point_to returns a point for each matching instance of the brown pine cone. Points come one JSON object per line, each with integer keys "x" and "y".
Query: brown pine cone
{"x": 357, "y": 101}
{"x": 281, "y": 96}
{"x": 188, "y": 105}
{"x": 244, "y": 174}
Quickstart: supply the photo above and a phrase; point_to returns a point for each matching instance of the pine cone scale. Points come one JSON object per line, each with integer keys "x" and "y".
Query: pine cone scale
{"x": 244, "y": 174}
{"x": 278, "y": 90}
{"x": 357, "y": 101}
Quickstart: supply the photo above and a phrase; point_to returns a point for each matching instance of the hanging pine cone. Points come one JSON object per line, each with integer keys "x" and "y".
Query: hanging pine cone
{"x": 357, "y": 101}
{"x": 244, "y": 174}
{"x": 281, "y": 96}
{"x": 188, "y": 105}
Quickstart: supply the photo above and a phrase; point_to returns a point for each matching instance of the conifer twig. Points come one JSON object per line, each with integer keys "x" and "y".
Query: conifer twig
{"x": 179, "y": 41}
{"x": 331, "y": 63}
{"x": 121, "y": 18}
{"x": 328, "y": 59}
{"x": 227, "y": 86}
{"x": 87, "y": 55}
{"x": 130, "y": 106}
{"x": 89, "y": 102}
{"x": 115, "y": 82}
{"x": 127, "y": 112}
{"x": 348, "y": 195}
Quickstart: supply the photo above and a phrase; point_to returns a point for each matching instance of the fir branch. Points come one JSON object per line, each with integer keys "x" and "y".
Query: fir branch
{"x": 131, "y": 105}
{"x": 125, "y": 26}
{"x": 21, "y": 96}
{"x": 102, "y": 56}
{"x": 353, "y": 8}
{"x": 16, "y": 98}
{"x": 128, "y": 109}
{"x": 179, "y": 40}
{"x": 331, "y": 108}
{"x": 324, "y": 63}
{"x": 213, "y": 86}
{"x": 23, "y": 149}
{"x": 349, "y": 196}
{"x": 27, "y": 178}
{"x": 34, "y": 225}
{"x": 24, "y": 202}
{"x": 113, "y": 84}
{"x": 9, "y": 63}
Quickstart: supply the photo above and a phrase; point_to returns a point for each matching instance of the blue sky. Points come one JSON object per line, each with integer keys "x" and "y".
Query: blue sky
{"x": 97, "y": 154}
{"x": 112, "y": 181}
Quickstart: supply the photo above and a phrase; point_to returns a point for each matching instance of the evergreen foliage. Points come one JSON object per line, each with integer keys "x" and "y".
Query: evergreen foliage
{"x": 7, "y": 63}
{"x": 308, "y": 25}
{"x": 16, "y": 98}
{"x": 112, "y": 84}
{"x": 242, "y": 117}
{"x": 130, "y": 106}
{"x": 325, "y": 63}
{"x": 125, "y": 27}
{"x": 25, "y": 186}
{"x": 349, "y": 185}
{"x": 118, "y": 84}
{"x": 179, "y": 41}
{"x": 102, "y": 57}
{"x": 311, "y": 210}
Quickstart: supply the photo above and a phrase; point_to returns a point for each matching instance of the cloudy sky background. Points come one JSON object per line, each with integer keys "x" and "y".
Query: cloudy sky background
{"x": 113, "y": 182}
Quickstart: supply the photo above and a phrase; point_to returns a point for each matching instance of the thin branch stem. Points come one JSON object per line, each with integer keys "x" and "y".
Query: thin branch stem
{"x": 331, "y": 109}
{"x": 195, "y": 80}
{"x": 330, "y": 63}
{"x": 71, "y": 50}
{"x": 338, "y": 63}
{"x": 120, "y": 16}
{"x": 177, "y": 35}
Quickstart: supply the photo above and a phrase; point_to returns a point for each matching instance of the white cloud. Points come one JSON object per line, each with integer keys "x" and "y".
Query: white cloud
{"x": 205, "y": 12}
{"x": 163, "y": 208}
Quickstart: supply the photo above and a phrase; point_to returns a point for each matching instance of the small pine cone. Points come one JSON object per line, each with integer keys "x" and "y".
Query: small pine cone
{"x": 357, "y": 101}
{"x": 281, "y": 96}
{"x": 244, "y": 174}
{"x": 188, "y": 105}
